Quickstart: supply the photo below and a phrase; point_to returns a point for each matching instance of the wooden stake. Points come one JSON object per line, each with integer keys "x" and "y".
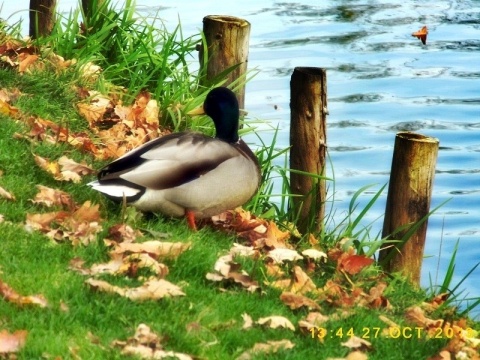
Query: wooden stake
{"x": 308, "y": 138}
{"x": 42, "y": 17}
{"x": 227, "y": 39}
{"x": 408, "y": 202}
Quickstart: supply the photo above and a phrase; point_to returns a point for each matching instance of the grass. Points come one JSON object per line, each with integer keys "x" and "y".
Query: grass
{"x": 207, "y": 322}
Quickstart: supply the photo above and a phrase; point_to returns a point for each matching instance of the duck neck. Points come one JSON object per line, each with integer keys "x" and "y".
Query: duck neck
{"x": 227, "y": 126}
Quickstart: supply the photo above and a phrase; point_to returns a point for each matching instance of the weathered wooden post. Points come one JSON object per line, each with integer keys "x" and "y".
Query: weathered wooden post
{"x": 308, "y": 139}
{"x": 408, "y": 202}
{"x": 89, "y": 7}
{"x": 227, "y": 39}
{"x": 42, "y": 17}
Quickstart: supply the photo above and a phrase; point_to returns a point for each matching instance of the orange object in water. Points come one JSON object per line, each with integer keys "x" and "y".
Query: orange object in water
{"x": 421, "y": 34}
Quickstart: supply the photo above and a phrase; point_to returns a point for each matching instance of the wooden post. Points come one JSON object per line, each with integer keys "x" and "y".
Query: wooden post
{"x": 408, "y": 202}
{"x": 42, "y": 17}
{"x": 227, "y": 39}
{"x": 308, "y": 139}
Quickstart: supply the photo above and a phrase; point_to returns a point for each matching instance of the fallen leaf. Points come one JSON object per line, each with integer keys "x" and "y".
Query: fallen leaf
{"x": 9, "y": 294}
{"x": 27, "y": 62}
{"x": 53, "y": 197}
{"x": 123, "y": 233}
{"x": 313, "y": 320}
{"x": 270, "y": 347}
{"x": 416, "y": 315}
{"x": 242, "y": 250}
{"x": 299, "y": 283}
{"x": 275, "y": 322}
{"x": 295, "y": 301}
{"x": 314, "y": 254}
{"x": 51, "y": 167}
{"x": 376, "y": 299}
{"x": 280, "y": 255}
{"x": 356, "y": 342}
{"x": 227, "y": 270}
{"x": 150, "y": 290}
{"x": 352, "y": 263}
{"x": 145, "y": 344}
{"x": 247, "y": 321}
{"x": 6, "y": 195}
{"x": 421, "y": 34}
{"x": 12, "y": 342}
{"x": 158, "y": 249}
{"x": 7, "y": 109}
{"x": 71, "y": 166}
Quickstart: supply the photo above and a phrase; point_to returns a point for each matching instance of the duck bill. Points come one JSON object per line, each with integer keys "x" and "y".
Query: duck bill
{"x": 197, "y": 111}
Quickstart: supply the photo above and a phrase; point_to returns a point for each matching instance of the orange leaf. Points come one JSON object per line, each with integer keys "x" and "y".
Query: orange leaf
{"x": 53, "y": 197}
{"x": 10, "y": 343}
{"x": 26, "y": 62}
{"x": 421, "y": 34}
{"x": 352, "y": 263}
{"x": 9, "y": 294}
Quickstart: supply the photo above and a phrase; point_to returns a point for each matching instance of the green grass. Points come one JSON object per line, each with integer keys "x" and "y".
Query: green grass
{"x": 32, "y": 264}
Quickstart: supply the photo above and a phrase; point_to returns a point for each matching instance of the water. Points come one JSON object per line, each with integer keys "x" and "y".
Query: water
{"x": 381, "y": 80}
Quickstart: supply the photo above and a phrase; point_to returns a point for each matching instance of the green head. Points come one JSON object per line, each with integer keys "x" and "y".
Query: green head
{"x": 221, "y": 105}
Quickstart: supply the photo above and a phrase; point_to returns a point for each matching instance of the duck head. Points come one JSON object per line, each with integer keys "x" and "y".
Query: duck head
{"x": 221, "y": 105}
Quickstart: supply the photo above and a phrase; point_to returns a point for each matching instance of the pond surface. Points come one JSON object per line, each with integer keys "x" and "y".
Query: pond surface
{"x": 381, "y": 80}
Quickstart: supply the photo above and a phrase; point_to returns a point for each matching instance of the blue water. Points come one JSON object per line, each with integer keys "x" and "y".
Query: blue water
{"x": 381, "y": 80}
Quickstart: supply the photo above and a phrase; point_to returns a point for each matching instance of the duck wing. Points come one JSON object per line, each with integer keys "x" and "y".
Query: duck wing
{"x": 167, "y": 162}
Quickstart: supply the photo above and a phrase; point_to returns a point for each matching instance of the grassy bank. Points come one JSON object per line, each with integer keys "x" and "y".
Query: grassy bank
{"x": 79, "y": 275}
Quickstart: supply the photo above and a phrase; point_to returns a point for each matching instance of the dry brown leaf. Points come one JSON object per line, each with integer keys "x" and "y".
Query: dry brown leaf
{"x": 150, "y": 290}
{"x": 356, "y": 343}
{"x": 80, "y": 227}
{"x": 376, "y": 299}
{"x": 299, "y": 283}
{"x": 270, "y": 347}
{"x": 417, "y": 316}
{"x": 9, "y": 294}
{"x": 145, "y": 344}
{"x": 77, "y": 264}
{"x": 295, "y": 301}
{"x": 133, "y": 262}
{"x": 26, "y": 62}
{"x": 242, "y": 250}
{"x": 247, "y": 321}
{"x": 157, "y": 249}
{"x": 43, "y": 221}
{"x": 226, "y": 269}
{"x": 96, "y": 108}
{"x": 12, "y": 342}
{"x": 123, "y": 233}
{"x": 6, "y": 195}
{"x": 313, "y": 320}
{"x": 53, "y": 197}
{"x": 112, "y": 267}
{"x": 275, "y": 322}
{"x": 276, "y": 238}
{"x": 71, "y": 166}
{"x": 279, "y": 255}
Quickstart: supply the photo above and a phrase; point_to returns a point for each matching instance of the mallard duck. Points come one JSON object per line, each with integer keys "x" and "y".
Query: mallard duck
{"x": 188, "y": 173}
